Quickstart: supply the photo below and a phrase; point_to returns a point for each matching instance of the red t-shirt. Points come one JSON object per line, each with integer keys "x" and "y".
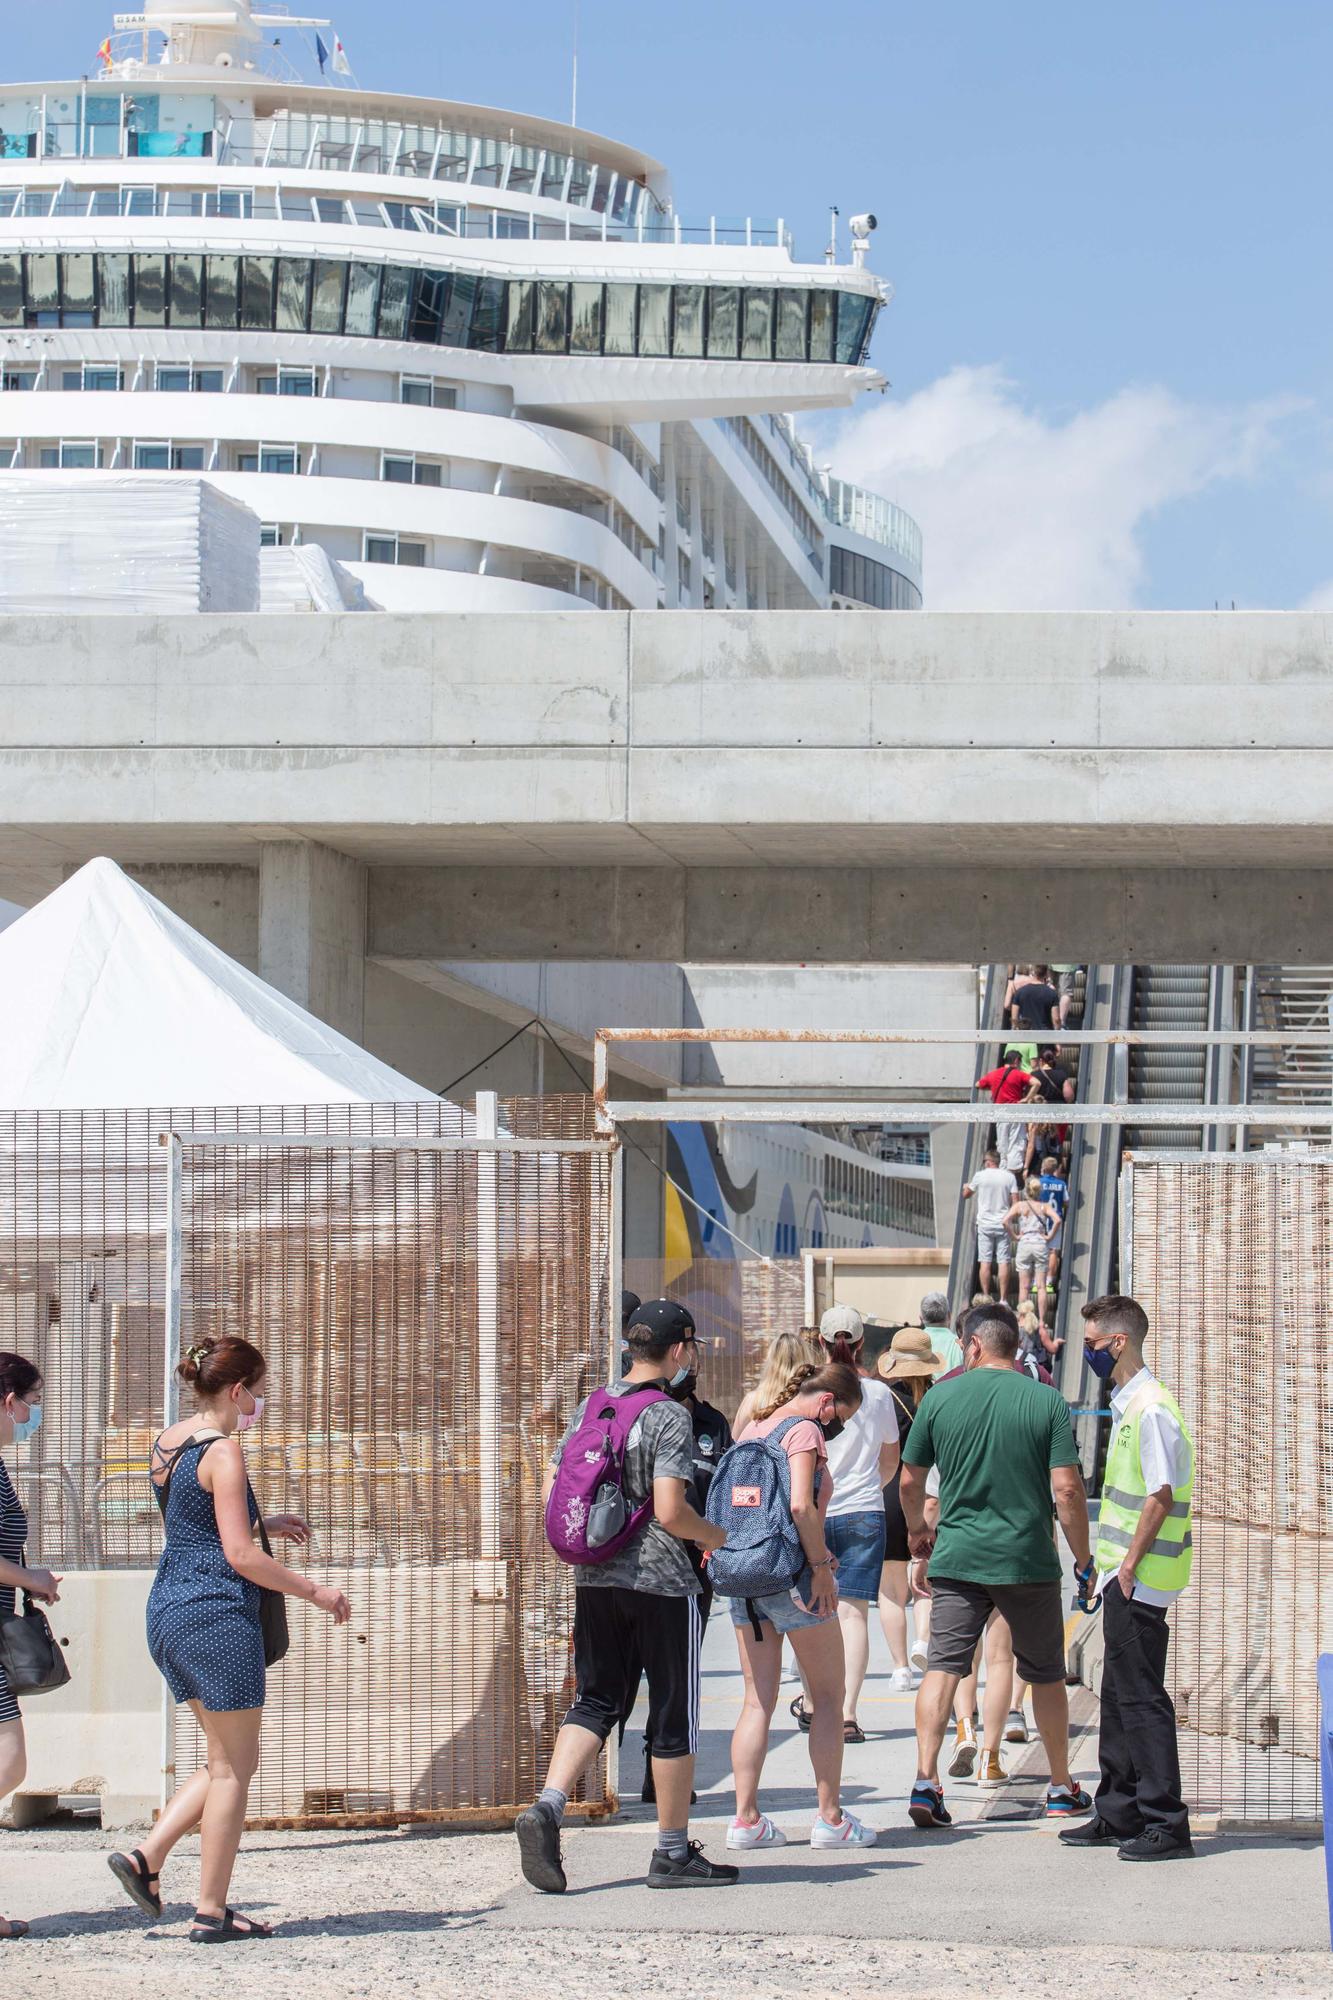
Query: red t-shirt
{"x": 1005, "y": 1088}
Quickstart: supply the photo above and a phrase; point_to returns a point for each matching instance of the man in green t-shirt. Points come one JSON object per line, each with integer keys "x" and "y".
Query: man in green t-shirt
{"x": 1002, "y": 1444}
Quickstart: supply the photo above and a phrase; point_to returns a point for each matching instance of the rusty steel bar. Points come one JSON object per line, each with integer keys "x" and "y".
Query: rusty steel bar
{"x": 1162, "y": 1038}
{"x": 834, "y": 1110}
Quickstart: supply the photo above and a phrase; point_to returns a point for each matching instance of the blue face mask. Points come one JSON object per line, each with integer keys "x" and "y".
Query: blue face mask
{"x": 1100, "y": 1360}
{"x": 32, "y": 1423}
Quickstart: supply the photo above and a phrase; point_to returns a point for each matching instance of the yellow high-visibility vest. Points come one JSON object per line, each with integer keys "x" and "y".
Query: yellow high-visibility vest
{"x": 1166, "y": 1566}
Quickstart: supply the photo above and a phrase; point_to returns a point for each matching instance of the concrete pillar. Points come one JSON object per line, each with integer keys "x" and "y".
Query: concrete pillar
{"x": 312, "y": 930}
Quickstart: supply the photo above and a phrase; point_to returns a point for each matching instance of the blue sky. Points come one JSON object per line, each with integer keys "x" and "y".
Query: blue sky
{"x": 1107, "y": 228}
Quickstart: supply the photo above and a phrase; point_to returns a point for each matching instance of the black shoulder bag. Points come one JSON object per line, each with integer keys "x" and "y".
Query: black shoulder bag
{"x": 33, "y": 1662}
{"x": 272, "y": 1607}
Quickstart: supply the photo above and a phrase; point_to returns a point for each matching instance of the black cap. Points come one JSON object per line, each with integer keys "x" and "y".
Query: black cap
{"x": 663, "y": 1318}
{"x": 629, "y": 1305}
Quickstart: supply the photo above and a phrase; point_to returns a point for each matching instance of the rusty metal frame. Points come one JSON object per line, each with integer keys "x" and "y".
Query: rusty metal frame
{"x": 753, "y": 1108}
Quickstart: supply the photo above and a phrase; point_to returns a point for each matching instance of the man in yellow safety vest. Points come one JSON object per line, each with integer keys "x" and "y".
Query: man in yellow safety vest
{"x": 1143, "y": 1554}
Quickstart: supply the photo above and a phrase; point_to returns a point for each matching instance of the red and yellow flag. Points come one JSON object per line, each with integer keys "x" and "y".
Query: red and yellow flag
{"x": 104, "y": 53}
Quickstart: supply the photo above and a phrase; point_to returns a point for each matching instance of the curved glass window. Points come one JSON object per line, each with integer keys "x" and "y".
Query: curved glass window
{"x": 435, "y": 308}
{"x": 871, "y": 583}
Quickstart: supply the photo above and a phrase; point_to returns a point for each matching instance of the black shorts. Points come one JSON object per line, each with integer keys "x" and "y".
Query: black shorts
{"x": 1034, "y": 1613}
{"x": 617, "y": 1634}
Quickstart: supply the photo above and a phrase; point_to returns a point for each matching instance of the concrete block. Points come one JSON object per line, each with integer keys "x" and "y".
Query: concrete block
{"x": 102, "y": 1733}
{"x": 458, "y": 913}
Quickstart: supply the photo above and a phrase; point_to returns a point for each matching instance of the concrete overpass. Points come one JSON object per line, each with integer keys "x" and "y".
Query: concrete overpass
{"x": 779, "y": 787}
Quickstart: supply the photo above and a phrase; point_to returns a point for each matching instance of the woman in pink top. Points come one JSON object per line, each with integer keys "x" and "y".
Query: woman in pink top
{"x": 823, "y": 1399}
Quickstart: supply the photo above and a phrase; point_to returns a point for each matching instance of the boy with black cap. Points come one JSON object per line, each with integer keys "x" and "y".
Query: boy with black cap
{"x": 638, "y": 1610}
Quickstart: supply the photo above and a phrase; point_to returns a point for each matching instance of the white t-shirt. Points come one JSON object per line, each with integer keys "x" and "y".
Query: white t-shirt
{"x": 996, "y": 1190}
{"x": 853, "y": 1458}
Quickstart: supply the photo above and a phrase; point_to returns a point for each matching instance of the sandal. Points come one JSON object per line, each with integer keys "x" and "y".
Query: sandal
{"x": 221, "y": 1930}
{"x": 14, "y": 1927}
{"x": 852, "y": 1732}
{"x": 800, "y": 1711}
{"x": 136, "y": 1879}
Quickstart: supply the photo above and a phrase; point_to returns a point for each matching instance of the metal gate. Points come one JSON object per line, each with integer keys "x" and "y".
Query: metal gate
{"x": 1232, "y": 1258}
{"x": 431, "y": 1310}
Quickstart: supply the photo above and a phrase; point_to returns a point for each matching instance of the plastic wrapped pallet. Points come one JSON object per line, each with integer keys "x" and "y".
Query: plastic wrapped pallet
{"x": 305, "y": 578}
{"x": 110, "y": 541}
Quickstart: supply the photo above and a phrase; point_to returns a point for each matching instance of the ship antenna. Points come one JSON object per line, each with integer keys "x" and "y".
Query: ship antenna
{"x": 574, "y": 77}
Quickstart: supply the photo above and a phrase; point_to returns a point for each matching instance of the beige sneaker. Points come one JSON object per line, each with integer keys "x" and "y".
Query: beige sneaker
{"x": 992, "y": 1773}
{"x": 964, "y": 1751}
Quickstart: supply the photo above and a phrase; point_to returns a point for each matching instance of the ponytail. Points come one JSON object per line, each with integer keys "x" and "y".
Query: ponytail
{"x": 834, "y": 1379}
{"x": 843, "y": 1352}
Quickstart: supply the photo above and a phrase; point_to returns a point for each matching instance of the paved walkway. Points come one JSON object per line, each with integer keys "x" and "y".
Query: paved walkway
{"x": 997, "y": 1876}
{"x": 993, "y": 1906}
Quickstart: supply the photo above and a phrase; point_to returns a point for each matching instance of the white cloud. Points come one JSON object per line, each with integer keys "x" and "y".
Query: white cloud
{"x": 1023, "y": 512}
{"x": 1320, "y": 599}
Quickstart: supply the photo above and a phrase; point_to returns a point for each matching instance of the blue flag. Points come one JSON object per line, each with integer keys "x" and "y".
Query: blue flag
{"x": 322, "y": 53}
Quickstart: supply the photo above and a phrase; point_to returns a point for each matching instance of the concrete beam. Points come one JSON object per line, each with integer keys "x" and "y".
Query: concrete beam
{"x": 855, "y": 916}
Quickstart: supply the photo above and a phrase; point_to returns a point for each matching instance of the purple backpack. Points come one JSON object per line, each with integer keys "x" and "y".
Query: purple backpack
{"x": 588, "y": 1519}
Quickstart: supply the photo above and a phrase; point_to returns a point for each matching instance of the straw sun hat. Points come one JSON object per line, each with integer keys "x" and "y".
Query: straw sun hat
{"x": 910, "y": 1353}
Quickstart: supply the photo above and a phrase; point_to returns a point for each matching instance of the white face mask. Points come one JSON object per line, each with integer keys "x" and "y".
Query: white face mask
{"x": 248, "y": 1418}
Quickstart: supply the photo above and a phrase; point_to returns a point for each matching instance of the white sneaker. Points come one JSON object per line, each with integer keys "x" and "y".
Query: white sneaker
{"x": 900, "y": 1680}
{"x": 917, "y": 1655}
{"x": 848, "y": 1833}
{"x": 965, "y": 1750}
{"x": 762, "y": 1834}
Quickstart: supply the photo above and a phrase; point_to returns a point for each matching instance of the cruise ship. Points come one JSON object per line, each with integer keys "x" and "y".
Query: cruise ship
{"x": 476, "y": 357}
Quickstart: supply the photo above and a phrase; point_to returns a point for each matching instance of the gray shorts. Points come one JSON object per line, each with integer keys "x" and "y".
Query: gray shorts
{"x": 1031, "y": 1256}
{"x": 1069, "y": 981}
{"x": 1034, "y": 1613}
{"x": 994, "y": 1244}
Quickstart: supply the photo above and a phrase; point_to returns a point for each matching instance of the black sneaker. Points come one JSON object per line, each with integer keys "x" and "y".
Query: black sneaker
{"x": 926, "y": 1807}
{"x": 696, "y": 1871}
{"x": 538, "y": 1833}
{"x": 1093, "y": 1833}
{"x": 1156, "y": 1844}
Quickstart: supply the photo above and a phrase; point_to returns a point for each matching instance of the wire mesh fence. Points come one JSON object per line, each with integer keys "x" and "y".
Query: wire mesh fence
{"x": 1232, "y": 1258}
{"x": 430, "y": 1314}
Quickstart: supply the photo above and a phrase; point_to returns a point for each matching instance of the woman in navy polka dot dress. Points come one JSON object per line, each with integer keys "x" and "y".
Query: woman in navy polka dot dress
{"x": 203, "y": 1625}
{"x": 20, "y": 1414}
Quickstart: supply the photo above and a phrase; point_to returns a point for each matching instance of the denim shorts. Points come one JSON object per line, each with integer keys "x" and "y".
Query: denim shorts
{"x": 780, "y": 1609}
{"x": 857, "y": 1540}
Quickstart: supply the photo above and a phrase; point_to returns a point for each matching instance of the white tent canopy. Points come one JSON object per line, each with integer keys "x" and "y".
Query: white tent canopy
{"x": 109, "y": 1000}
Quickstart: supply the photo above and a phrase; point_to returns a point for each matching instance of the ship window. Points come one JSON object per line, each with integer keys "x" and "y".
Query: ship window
{"x": 236, "y": 204}
{"x": 328, "y": 208}
{"x": 821, "y": 325}
{"x": 169, "y": 458}
{"x": 139, "y": 201}
{"x": 43, "y": 294}
{"x": 257, "y": 293}
{"x": 687, "y": 334}
{"x": 184, "y": 201}
{"x": 430, "y": 289}
{"x": 362, "y": 294}
{"x": 585, "y": 332}
{"x": 723, "y": 322}
{"x": 293, "y": 294}
{"x": 11, "y": 291}
{"x": 70, "y": 456}
{"x": 393, "y": 302}
{"x": 77, "y": 275}
{"x": 326, "y": 306}
{"x": 487, "y": 318}
{"x": 105, "y": 201}
{"x": 552, "y": 317}
{"x": 791, "y": 325}
{"x": 620, "y": 302}
{"x": 221, "y": 307}
{"x": 398, "y": 471}
{"x": 187, "y": 291}
{"x": 654, "y": 319}
{"x": 114, "y": 288}
{"x": 389, "y": 549}
{"x": 518, "y": 320}
{"x": 757, "y": 343}
{"x": 853, "y": 312}
{"x": 457, "y": 313}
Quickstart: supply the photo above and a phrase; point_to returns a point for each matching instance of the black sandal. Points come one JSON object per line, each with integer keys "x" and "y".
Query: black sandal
{"x": 14, "y": 1928}
{"x": 852, "y": 1732}
{"x": 221, "y": 1930}
{"x": 135, "y": 1878}
{"x": 800, "y": 1711}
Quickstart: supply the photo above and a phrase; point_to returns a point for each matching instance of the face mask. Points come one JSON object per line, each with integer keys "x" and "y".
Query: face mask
{"x": 1100, "y": 1360}
{"x": 33, "y": 1422}
{"x": 682, "y": 1384}
{"x": 248, "y": 1418}
{"x": 834, "y": 1428}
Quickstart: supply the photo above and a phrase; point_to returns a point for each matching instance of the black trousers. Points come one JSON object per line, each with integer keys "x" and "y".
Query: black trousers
{"x": 1140, "y": 1759}
{"x": 704, "y": 1602}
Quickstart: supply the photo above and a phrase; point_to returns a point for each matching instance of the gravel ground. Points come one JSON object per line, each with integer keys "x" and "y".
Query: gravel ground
{"x": 397, "y": 1916}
